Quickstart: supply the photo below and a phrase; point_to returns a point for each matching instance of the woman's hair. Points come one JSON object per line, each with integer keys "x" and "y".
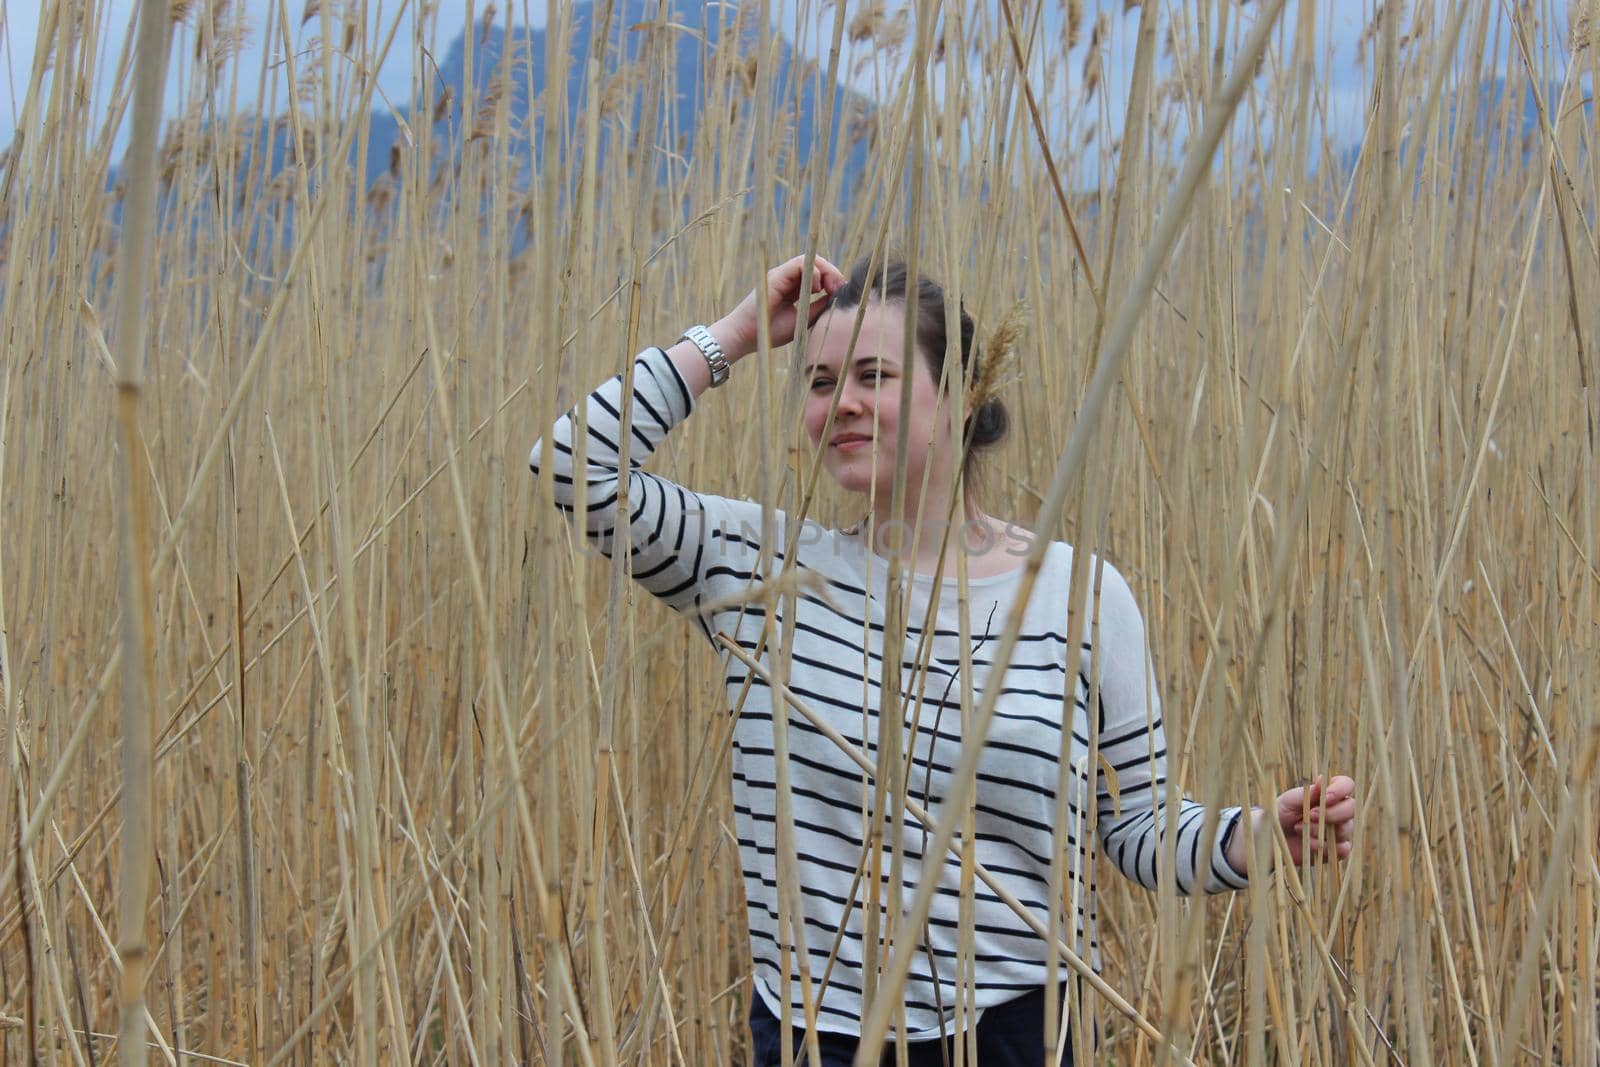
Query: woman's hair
{"x": 987, "y": 425}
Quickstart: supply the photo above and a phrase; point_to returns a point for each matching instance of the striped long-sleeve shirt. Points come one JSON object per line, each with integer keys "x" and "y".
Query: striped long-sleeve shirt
{"x": 702, "y": 555}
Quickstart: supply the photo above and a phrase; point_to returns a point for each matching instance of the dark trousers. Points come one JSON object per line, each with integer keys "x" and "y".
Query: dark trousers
{"x": 1009, "y": 1035}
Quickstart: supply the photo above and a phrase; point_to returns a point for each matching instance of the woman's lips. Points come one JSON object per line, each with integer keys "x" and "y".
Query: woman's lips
{"x": 851, "y": 442}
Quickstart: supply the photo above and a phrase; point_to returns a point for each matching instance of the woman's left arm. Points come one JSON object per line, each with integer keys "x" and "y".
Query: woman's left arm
{"x": 1135, "y": 822}
{"x": 1318, "y": 820}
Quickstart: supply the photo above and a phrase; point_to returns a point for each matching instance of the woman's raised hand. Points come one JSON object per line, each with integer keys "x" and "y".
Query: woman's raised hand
{"x": 1318, "y": 820}
{"x": 736, "y": 331}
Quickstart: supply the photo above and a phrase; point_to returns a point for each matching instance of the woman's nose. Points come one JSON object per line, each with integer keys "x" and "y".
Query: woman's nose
{"x": 852, "y": 398}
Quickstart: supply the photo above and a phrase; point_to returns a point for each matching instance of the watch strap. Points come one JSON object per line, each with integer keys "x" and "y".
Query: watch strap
{"x": 715, "y": 358}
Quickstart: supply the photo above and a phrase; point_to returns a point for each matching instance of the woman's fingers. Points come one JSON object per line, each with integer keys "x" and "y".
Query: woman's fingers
{"x": 783, "y": 282}
{"x": 832, "y": 277}
{"x": 784, "y": 299}
{"x": 1292, "y": 804}
{"x": 1320, "y": 848}
{"x": 819, "y": 304}
{"x": 1340, "y": 787}
{"x": 1320, "y": 818}
{"x": 1337, "y": 812}
{"x": 1334, "y": 799}
{"x": 1343, "y": 811}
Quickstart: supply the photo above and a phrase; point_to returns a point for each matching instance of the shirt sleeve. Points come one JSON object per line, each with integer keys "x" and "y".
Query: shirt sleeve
{"x": 1131, "y": 797}
{"x": 684, "y": 547}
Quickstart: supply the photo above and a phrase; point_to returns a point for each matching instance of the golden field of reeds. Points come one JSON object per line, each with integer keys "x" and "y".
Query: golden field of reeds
{"x": 326, "y": 741}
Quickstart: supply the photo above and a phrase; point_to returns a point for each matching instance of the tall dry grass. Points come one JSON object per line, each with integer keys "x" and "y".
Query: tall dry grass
{"x": 432, "y": 784}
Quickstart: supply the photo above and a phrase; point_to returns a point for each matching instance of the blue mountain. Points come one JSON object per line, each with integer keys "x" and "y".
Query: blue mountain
{"x": 521, "y": 51}
{"x": 1523, "y": 127}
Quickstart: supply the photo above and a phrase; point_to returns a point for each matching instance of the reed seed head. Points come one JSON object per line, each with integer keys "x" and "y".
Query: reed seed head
{"x": 1074, "y": 24}
{"x": 868, "y": 22}
{"x": 998, "y": 362}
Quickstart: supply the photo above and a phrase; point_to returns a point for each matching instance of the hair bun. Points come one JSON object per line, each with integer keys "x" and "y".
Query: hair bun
{"x": 989, "y": 424}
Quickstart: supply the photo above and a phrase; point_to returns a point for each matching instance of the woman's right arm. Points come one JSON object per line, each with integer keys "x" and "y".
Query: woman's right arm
{"x": 667, "y": 526}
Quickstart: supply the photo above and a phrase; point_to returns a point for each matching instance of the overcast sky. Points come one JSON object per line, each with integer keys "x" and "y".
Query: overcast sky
{"x": 1346, "y": 82}
{"x": 20, "y": 19}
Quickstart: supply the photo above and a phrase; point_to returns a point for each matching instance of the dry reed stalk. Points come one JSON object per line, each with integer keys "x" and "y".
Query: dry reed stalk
{"x": 138, "y": 614}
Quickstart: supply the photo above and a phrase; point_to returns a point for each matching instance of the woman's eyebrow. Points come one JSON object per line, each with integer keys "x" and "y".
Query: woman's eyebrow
{"x": 881, "y": 360}
{"x": 884, "y": 360}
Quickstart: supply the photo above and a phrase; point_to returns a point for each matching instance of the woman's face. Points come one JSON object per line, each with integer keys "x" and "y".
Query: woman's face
{"x": 869, "y": 414}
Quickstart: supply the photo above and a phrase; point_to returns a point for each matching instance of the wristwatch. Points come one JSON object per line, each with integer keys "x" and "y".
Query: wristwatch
{"x": 711, "y": 350}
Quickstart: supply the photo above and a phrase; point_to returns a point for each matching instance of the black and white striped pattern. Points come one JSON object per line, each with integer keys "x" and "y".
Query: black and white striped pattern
{"x": 694, "y": 550}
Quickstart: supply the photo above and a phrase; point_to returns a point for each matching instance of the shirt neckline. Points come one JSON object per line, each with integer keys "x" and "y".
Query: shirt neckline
{"x": 881, "y": 564}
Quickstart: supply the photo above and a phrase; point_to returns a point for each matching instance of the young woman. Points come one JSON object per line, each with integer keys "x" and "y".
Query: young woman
{"x": 702, "y": 554}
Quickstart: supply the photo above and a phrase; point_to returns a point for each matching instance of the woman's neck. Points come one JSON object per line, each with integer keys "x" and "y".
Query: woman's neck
{"x": 919, "y": 539}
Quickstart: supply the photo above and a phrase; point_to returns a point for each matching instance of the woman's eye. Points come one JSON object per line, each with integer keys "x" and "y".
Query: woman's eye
{"x": 819, "y": 384}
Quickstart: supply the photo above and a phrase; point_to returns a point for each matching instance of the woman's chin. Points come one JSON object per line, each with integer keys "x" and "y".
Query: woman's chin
{"x": 852, "y": 479}
{"x": 846, "y": 476}
{"x": 856, "y": 476}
